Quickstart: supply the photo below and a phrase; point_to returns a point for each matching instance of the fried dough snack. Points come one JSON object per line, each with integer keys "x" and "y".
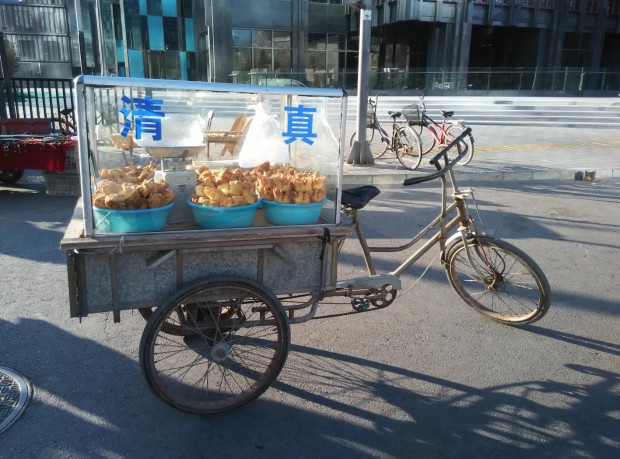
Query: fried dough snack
{"x": 132, "y": 196}
{"x": 285, "y": 184}
{"x": 129, "y": 174}
{"x": 223, "y": 188}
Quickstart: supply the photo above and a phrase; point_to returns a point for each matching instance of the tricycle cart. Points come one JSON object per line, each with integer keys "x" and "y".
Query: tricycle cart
{"x": 219, "y": 295}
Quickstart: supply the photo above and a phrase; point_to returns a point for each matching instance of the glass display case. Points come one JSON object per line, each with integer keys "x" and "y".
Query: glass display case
{"x": 162, "y": 156}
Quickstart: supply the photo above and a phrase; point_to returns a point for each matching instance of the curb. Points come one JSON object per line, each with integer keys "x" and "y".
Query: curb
{"x": 480, "y": 176}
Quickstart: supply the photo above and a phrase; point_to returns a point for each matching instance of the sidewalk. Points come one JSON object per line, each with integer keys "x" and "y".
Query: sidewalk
{"x": 514, "y": 153}
{"x": 511, "y": 153}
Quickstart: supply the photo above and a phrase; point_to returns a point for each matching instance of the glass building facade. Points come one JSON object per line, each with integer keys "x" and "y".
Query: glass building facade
{"x": 38, "y": 31}
{"x": 159, "y": 39}
{"x": 464, "y": 45}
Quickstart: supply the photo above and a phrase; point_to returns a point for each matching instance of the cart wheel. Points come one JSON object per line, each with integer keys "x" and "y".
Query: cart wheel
{"x": 10, "y": 176}
{"x": 233, "y": 342}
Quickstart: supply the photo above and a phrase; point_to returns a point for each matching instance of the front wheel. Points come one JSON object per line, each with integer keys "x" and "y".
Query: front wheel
{"x": 500, "y": 281}
{"x": 408, "y": 148}
{"x": 378, "y": 144}
{"x": 452, "y": 132}
{"x": 427, "y": 138}
{"x": 10, "y": 175}
{"x": 230, "y": 341}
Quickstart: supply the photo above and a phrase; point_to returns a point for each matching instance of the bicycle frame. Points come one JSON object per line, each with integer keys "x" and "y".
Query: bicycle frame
{"x": 431, "y": 124}
{"x": 375, "y": 124}
{"x": 462, "y": 221}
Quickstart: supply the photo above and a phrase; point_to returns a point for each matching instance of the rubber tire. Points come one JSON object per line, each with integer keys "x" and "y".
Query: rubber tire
{"x": 532, "y": 285}
{"x": 10, "y": 175}
{"x": 426, "y": 137}
{"x": 452, "y": 132}
{"x": 378, "y": 147}
{"x": 409, "y": 152}
{"x": 215, "y": 348}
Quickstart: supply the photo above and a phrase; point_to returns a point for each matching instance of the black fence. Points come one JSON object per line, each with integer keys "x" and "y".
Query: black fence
{"x": 47, "y": 97}
{"x": 35, "y": 97}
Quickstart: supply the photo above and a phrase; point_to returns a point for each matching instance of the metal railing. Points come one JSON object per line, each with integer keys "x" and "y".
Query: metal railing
{"x": 46, "y": 97}
{"x": 488, "y": 79}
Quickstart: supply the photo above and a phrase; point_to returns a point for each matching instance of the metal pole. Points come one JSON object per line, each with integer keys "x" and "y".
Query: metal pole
{"x": 212, "y": 46}
{"x": 81, "y": 43}
{"x": 124, "y": 34}
{"x": 100, "y": 38}
{"x": 360, "y": 151}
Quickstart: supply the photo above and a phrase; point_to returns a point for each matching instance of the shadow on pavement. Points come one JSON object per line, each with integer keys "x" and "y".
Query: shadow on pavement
{"x": 33, "y": 223}
{"x": 92, "y": 401}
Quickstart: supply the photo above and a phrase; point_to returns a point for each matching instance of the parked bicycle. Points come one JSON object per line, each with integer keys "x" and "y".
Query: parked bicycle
{"x": 403, "y": 141}
{"x": 63, "y": 124}
{"x": 438, "y": 135}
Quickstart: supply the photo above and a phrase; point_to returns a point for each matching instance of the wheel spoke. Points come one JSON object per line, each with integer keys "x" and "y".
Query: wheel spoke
{"x": 221, "y": 354}
{"x": 513, "y": 289}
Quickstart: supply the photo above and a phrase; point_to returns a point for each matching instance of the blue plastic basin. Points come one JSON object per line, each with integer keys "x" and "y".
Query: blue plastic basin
{"x": 223, "y": 217}
{"x": 293, "y": 214}
{"x": 131, "y": 221}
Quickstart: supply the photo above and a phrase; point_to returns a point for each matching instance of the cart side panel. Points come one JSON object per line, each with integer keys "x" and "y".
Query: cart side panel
{"x": 198, "y": 265}
{"x": 138, "y": 286}
{"x": 146, "y": 277}
{"x": 293, "y": 267}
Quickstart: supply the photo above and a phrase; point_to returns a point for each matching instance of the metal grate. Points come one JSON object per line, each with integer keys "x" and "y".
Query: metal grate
{"x": 15, "y": 393}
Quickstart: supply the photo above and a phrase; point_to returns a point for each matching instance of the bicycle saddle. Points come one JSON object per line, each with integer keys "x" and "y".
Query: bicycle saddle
{"x": 358, "y": 197}
{"x": 395, "y": 114}
{"x": 446, "y": 114}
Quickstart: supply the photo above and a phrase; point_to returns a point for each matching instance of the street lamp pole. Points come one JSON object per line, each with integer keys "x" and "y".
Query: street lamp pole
{"x": 360, "y": 151}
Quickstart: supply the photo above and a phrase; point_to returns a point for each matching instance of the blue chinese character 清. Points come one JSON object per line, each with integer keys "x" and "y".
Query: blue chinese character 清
{"x": 299, "y": 124}
{"x": 147, "y": 115}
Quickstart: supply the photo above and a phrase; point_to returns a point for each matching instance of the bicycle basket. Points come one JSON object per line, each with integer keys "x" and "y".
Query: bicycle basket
{"x": 412, "y": 113}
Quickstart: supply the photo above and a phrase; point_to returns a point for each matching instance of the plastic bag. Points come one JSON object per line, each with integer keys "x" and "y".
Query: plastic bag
{"x": 177, "y": 130}
{"x": 263, "y": 141}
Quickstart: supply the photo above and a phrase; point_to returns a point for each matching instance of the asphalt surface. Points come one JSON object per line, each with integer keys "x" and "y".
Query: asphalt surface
{"x": 427, "y": 377}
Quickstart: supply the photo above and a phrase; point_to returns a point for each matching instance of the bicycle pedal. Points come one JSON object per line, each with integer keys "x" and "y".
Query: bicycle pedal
{"x": 368, "y": 282}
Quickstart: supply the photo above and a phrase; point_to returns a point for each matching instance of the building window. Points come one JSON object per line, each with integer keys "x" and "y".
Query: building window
{"x": 26, "y": 48}
{"x": 592, "y": 6}
{"x": 547, "y": 4}
{"x": 171, "y": 34}
{"x": 51, "y": 49}
{"x": 327, "y": 58}
{"x": 153, "y": 8}
{"x": 266, "y": 50}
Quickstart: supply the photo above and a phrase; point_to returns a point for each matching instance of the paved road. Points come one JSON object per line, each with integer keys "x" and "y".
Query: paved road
{"x": 426, "y": 377}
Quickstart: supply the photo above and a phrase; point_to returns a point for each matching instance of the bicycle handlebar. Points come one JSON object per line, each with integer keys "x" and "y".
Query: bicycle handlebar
{"x": 441, "y": 171}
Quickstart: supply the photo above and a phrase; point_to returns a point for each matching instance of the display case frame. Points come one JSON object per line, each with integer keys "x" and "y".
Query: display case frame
{"x": 322, "y": 151}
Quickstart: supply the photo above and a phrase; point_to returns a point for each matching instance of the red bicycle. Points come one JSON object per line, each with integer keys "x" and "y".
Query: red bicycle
{"x": 436, "y": 135}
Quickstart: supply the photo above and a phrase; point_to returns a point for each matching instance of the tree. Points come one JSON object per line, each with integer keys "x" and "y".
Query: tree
{"x": 12, "y": 63}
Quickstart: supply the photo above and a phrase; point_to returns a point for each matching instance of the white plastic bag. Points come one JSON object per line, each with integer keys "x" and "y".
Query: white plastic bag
{"x": 263, "y": 141}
